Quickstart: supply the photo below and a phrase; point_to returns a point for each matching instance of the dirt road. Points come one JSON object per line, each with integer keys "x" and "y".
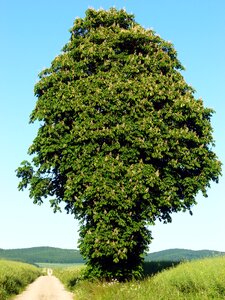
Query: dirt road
{"x": 45, "y": 288}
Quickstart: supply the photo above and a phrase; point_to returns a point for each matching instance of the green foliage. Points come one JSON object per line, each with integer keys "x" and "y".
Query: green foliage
{"x": 42, "y": 255}
{"x": 122, "y": 140}
{"x": 15, "y": 276}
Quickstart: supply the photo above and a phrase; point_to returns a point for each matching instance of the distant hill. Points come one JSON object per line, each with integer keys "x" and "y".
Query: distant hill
{"x": 181, "y": 255}
{"x": 42, "y": 255}
{"x": 58, "y": 255}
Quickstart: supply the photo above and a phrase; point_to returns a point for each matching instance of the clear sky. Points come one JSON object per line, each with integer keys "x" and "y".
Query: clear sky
{"x": 32, "y": 33}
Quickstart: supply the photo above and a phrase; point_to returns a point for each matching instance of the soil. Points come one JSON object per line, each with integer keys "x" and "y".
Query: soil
{"x": 45, "y": 288}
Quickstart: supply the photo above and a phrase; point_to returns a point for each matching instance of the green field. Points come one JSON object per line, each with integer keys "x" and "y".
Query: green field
{"x": 57, "y": 265}
{"x": 196, "y": 280}
{"x": 15, "y": 276}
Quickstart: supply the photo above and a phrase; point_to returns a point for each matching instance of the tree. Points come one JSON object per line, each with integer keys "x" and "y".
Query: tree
{"x": 122, "y": 139}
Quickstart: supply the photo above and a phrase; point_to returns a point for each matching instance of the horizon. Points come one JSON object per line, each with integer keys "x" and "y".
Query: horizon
{"x": 52, "y": 247}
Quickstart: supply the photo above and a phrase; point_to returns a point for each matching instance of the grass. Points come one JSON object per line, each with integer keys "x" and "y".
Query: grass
{"x": 69, "y": 276}
{"x": 202, "y": 279}
{"x": 15, "y": 276}
{"x": 196, "y": 280}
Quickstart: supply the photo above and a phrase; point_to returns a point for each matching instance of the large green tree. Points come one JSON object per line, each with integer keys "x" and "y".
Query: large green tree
{"x": 122, "y": 139}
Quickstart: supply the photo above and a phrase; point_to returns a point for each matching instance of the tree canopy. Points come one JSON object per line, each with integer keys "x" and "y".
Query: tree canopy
{"x": 122, "y": 139}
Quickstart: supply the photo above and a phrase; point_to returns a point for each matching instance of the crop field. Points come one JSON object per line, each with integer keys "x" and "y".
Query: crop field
{"x": 196, "y": 280}
{"x": 58, "y": 265}
{"x": 15, "y": 276}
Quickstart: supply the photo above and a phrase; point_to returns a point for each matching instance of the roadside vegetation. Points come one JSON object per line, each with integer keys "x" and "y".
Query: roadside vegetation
{"x": 70, "y": 276}
{"x": 15, "y": 276}
{"x": 202, "y": 279}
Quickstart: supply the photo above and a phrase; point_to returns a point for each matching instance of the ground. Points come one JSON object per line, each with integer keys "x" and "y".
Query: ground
{"x": 45, "y": 288}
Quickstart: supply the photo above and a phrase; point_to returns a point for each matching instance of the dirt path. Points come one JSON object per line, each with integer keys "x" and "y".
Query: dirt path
{"x": 45, "y": 288}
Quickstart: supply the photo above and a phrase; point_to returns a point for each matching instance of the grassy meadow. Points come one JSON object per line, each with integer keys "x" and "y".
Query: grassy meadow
{"x": 15, "y": 276}
{"x": 200, "y": 279}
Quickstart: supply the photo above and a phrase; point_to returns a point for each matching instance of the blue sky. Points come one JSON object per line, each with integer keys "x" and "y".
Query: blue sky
{"x": 32, "y": 34}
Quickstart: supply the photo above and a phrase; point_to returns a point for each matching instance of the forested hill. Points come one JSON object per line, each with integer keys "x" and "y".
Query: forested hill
{"x": 58, "y": 255}
{"x": 181, "y": 255}
{"x": 42, "y": 255}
